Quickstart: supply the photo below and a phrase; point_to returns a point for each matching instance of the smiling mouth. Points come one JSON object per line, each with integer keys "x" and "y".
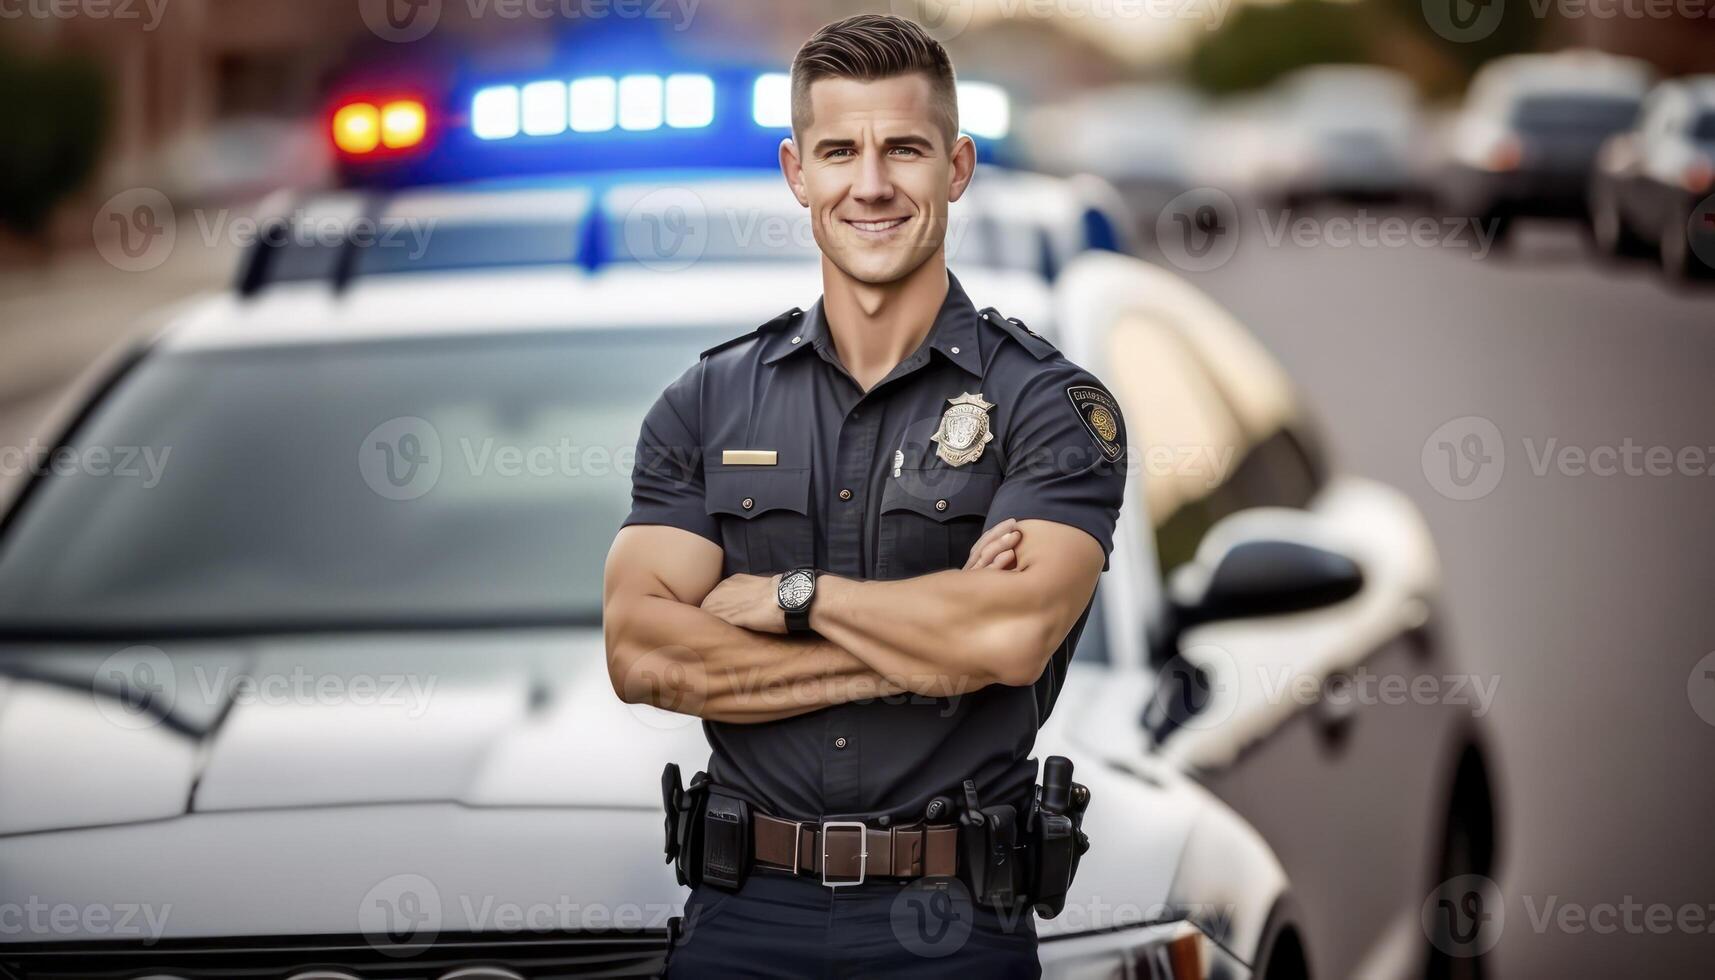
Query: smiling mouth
{"x": 876, "y": 227}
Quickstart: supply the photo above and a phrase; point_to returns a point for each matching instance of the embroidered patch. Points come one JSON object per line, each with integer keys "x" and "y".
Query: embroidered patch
{"x": 1101, "y": 417}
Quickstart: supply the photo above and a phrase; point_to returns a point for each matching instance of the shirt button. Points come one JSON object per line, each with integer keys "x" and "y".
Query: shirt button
{"x": 840, "y": 743}
{"x": 747, "y": 503}
{"x": 939, "y": 505}
{"x": 955, "y": 350}
{"x": 796, "y": 339}
{"x": 845, "y": 495}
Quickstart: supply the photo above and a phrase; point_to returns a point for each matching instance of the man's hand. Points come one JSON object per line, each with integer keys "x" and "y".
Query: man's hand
{"x": 996, "y": 548}
{"x": 748, "y": 601}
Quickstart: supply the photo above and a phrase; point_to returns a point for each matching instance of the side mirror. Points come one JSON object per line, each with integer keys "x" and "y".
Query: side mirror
{"x": 1263, "y": 578}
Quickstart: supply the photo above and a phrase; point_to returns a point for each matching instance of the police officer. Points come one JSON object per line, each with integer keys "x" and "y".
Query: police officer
{"x": 863, "y": 542}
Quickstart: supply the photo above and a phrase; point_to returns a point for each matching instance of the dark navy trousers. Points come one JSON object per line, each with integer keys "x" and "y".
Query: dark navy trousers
{"x": 778, "y": 925}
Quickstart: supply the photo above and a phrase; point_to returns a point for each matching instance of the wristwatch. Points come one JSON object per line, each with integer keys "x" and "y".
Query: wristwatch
{"x": 797, "y": 589}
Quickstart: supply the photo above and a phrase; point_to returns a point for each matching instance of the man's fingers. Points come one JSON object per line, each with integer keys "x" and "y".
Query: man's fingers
{"x": 1004, "y": 560}
{"x": 1006, "y": 542}
{"x": 988, "y": 538}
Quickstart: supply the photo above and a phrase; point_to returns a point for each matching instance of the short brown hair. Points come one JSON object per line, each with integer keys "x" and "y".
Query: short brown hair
{"x": 870, "y": 47}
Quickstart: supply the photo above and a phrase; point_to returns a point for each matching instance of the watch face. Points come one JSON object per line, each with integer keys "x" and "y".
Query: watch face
{"x": 795, "y": 589}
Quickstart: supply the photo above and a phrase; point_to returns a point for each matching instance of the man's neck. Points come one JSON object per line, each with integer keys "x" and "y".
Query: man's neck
{"x": 874, "y": 327}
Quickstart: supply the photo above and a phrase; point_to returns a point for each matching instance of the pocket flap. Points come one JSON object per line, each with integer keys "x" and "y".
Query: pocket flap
{"x": 746, "y": 491}
{"x": 939, "y": 492}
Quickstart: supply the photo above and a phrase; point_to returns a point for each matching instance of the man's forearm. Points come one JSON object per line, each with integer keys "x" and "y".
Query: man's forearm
{"x": 947, "y": 632}
{"x": 679, "y": 658}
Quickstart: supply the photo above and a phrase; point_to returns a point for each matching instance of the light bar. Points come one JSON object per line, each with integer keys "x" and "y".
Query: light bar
{"x": 494, "y": 113}
{"x": 404, "y": 122}
{"x": 690, "y": 101}
{"x": 640, "y": 102}
{"x": 365, "y": 126}
{"x": 544, "y": 108}
{"x": 637, "y": 103}
{"x": 595, "y": 105}
{"x": 357, "y": 128}
{"x": 985, "y": 110}
{"x": 771, "y": 101}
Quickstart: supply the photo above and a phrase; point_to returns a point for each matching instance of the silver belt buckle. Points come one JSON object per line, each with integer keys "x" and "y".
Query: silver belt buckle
{"x": 863, "y": 851}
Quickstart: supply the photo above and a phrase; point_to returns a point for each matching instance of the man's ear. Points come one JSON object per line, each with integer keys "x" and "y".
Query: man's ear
{"x": 964, "y": 166}
{"x": 793, "y": 168}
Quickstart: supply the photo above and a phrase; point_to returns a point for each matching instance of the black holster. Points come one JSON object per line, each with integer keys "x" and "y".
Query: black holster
{"x": 1008, "y": 861}
{"x": 708, "y": 832}
{"x": 1055, "y": 829}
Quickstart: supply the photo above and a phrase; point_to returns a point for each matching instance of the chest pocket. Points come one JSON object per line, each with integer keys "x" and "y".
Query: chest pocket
{"x": 930, "y": 518}
{"x": 764, "y": 516}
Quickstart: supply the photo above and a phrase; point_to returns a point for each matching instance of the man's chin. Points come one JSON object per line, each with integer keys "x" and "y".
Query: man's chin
{"x": 877, "y": 270}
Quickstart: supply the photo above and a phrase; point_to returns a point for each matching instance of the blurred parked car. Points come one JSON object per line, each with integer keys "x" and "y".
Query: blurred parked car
{"x": 1525, "y": 143}
{"x": 1342, "y": 132}
{"x": 1653, "y": 183}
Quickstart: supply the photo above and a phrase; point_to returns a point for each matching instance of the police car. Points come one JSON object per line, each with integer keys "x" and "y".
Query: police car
{"x": 323, "y": 694}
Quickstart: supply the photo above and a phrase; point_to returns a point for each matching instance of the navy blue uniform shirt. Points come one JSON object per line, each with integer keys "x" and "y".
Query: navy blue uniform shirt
{"x": 860, "y": 488}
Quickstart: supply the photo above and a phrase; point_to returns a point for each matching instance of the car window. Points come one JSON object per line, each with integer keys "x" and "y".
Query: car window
{"x": 447, "y": 479}
{"x": 1574, "y": 113}
{"x": 1703, "y": 130}
{"x": 1215, "y": 428}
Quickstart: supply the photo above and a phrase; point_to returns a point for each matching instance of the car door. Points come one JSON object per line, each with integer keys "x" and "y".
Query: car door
{"x": 1271, "y": 718}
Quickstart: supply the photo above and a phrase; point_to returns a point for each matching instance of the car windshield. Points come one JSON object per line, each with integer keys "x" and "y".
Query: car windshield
{"x": 445, "y": 480}
{"x": 1703, "y": 130}
{"x": 1575, "y": 113}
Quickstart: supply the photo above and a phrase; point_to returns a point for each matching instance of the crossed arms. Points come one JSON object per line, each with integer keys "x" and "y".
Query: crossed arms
{"x": 681, "y": 638}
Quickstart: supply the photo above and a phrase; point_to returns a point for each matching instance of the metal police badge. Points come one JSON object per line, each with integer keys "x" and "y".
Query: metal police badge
{"x": 964, "y": 429}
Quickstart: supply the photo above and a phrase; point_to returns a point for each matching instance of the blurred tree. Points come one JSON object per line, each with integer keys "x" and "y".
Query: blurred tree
{"x": 55, "y": 117}
{"x": 1260, "y": 42}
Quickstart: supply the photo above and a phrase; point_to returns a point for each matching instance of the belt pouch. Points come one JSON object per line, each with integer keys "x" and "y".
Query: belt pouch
{"x": 726, "y": 841}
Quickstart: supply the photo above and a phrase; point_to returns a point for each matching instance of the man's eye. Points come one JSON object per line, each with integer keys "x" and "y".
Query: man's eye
{"x": 906, "y": 149}
{"x": 844, "y": 151}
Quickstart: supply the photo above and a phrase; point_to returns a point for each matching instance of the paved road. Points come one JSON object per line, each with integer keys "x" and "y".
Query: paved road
{"x": 1591, "y": 597}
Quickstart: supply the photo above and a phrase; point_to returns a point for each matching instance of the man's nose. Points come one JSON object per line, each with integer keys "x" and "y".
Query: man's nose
{"x": 873, "y": 183}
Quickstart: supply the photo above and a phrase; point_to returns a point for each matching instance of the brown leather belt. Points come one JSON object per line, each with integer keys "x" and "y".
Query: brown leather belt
{"x": 910, "y": 851}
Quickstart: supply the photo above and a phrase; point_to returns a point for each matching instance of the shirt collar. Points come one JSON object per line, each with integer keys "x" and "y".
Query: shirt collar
{"x": 954, "y": 333}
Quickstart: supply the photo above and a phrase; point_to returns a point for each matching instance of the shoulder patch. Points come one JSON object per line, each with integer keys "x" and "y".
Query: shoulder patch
{"x": 770, "y": 326}
{"x": 1035, "y": 343}
{"x": 1101, "y": 417}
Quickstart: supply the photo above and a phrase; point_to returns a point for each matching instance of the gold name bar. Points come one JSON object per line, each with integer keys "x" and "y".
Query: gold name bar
{"x": 749, "y": 457}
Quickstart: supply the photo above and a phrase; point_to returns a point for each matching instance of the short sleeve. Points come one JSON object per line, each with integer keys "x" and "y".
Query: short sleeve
{"x": 1065, "y": 455}
{"x": 667, "y": 474}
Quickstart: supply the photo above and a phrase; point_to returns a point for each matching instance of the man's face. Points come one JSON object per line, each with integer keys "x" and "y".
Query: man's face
{"x": 877, "y": 174}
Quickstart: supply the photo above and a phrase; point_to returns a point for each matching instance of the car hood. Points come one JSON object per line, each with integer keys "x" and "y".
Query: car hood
{"x": 292, "y": 786}
{"x": 89, "y": 736}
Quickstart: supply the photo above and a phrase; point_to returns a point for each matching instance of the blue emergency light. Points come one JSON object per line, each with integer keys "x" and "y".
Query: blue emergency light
{"x": 615, "y": 118}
